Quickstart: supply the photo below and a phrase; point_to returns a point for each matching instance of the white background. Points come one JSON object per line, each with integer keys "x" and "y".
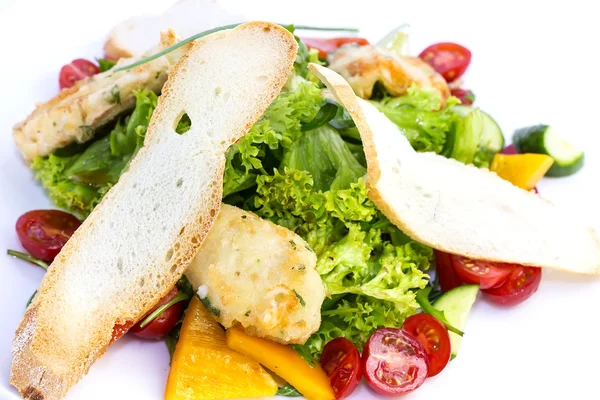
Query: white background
{"x": 533, "y": 62}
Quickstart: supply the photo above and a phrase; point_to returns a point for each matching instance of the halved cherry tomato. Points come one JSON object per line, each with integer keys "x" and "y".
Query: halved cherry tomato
{"x": 394, "y": 362}
{"x": 164, "y": 323}
{"x": 445, "y": 271}
{"x": 43, "y": 233}
{"x": 76, "y": 71}
{"x": 434, "y": 337}
{"x": 486, "y": 274}
{"x": 465, "y": 96}
{"x": 341, "y": 362}
{"x": 324, "y": 46}
{"x": 521, "y": 284}
{"x": 449, "y": 59}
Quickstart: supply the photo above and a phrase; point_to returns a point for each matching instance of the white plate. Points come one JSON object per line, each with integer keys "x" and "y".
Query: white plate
{"x": 530, "y": 65}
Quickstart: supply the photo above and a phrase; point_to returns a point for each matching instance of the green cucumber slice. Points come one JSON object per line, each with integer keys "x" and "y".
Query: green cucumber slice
{"x": 491, "y": 140}
{"x": 542, "y": 139}
{"x": 456, "y": 305}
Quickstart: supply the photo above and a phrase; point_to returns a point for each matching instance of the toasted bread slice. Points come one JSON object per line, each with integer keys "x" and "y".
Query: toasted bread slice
{"x": 458, "y": 208}
{"x": 138, "y": 241}
{"x": 133, "y": 36}
{"x": 275, "y": 293}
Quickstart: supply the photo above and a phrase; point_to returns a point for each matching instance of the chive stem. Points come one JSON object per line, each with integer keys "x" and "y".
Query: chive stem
{"x": 28, "y": 258}
{"x": 210, "y": 31}
{"x": 156, "y": 313}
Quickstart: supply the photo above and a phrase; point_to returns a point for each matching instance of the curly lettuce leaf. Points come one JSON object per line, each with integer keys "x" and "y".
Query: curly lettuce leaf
{"x": 421, "y": 118}
{"x": 262, "y": 147}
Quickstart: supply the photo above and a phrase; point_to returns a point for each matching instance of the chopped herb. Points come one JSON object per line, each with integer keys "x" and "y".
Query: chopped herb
{"x": 288, "y": 391}
{"x": 115, "y": 95}
{"x": 157, "y": 75}
{"x": 293, "y": 244}
{"x": 244, "y": 217}
{"x": 53, "y": 123}
{"x": 248, "y": 313}
{"x": 212, "y": 309}
{"x": 28, "y": 258}
{"x": 258, "y": 260}
{"x": 300, "y": 299}
{"x": 301, "y": 267}
{"x": 31, "y": 299}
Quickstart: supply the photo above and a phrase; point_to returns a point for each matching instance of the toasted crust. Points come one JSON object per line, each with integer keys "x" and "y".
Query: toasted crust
{"x": 510, "y": 234}
{"x": 111, "y": 271}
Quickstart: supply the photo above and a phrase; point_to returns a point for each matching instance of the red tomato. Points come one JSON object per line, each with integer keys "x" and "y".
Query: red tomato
{"x": 119, "y": 330}
{"x": 449, "y": 59}
{"x": 521, "y": 284}
{"x": 44, "y": 232}
{"x": 445, "y": 271}
{"x": 510, "y": 150}
{"x": 341, "y": 362}
{"x": 76, "y": 71}
{"x": 486, "y": 274}
{"x": 433, "y": 335}
{"x": 394, "y": 362}
{"x": 465, "y": 96}
{"x": 324, "y": 46}
{"x": 164, "y": 323}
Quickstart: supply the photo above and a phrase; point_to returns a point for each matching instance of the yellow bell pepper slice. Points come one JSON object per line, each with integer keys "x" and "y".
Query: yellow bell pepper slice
{"x": 205, "y": 368}
{"x": 285, "y": 362}
{"x": 522, "y": 170}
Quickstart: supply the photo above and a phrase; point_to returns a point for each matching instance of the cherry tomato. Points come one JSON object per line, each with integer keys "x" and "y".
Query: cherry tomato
{"x": 43, "y": 233}
{"x": 445, "y": 271}
{"x": 341, "y": 362}
{"x": 164, "y": 323}
{"x": 521, "y": 284}
{"x": 510, "y": 150}
{"x": 434, "y": 337}
{"x": 394, "y": 362}
{"x": 119, "y": 330}
{"x": 324, "y": 46}
{"x": 465, "y": 96}
{"x": 449, "y": 59}
{"x": 486, "y": 274}
{"x": 76, "y": 71}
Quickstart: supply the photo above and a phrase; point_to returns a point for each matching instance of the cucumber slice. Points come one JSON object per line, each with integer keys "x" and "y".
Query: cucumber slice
{"x": 456, "y": 305}
{"x": 491, "y": 140}
{"x": 542, "y": 139}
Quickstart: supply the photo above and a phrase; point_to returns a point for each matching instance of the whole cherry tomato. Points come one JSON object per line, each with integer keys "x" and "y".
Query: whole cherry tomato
{"x": 342, "y": 364}
{"x": 434, "y": 337}
{"x": 165, "y": 322}
{"x": 486, "y": 274}
{"x": 75, "y": 71}
{"x": 324, "y": 46}
{"x": 43, "y": 233}
{"x": 520, "y": 285}
{"x": 394, "y": 362}
{"x": 451, "y": 60}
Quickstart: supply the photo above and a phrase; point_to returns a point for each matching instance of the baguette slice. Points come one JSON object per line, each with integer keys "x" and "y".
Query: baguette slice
{"x": 133, "y": 36}
{"x": 458, "y": 208}
{"x": 138, "y": 241}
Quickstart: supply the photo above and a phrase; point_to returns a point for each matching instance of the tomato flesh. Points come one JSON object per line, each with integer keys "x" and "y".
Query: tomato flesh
{"x": 445, "y": 271}
{"x": 43, "y": 233}
{"x": 75, "y": 71}
{"x": 342, "y": 364}
{"x": 450, "y": 60}
{"x": 119, "y": 330}
{"x": 324, "y": 46}
{"x": 164, "y": 323}
{"x": 434, "y": 337}
{"x": 394, "y": 362}
{"x": 466, "y": 97}
{"x": 486, "y": 274}
{"x": 520, "y": 285}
